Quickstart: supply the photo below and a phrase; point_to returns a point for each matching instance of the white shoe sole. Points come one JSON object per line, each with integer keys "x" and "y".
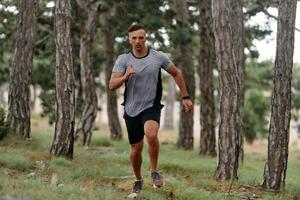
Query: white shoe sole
{"x": 133, "y": 195}
{"x": 155, "y": 186}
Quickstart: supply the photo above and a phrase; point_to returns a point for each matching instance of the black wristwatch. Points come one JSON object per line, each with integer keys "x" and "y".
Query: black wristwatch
{"x": 186, "y": 97}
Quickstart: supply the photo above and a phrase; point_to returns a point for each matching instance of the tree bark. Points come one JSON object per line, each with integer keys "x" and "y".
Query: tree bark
{"x": 278, "y": 141}
{"x": 171, "y": 97}
{"x": 239, "y": 57}
{"x": 65, "y": 89}
{"x": 85, "y": 125}
{"x": 21, "y": 70}
{"x": 112, "y": 105}
{"x": 186, "y": 123}
{"x": 207, "y": 61}
{"x": 228, "y": 32}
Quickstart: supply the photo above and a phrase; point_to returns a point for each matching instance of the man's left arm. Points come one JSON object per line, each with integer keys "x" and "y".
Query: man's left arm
{"x": 186, "y": 101}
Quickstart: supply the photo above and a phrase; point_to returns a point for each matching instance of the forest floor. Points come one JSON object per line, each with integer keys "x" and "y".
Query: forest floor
{"x": 103, "y": 171}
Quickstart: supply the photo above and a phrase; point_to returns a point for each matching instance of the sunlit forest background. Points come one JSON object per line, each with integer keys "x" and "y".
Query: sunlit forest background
{"x": 40, "y": 41}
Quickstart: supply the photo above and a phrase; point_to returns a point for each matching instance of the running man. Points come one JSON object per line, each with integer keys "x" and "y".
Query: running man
{"x": 140, "y": 70}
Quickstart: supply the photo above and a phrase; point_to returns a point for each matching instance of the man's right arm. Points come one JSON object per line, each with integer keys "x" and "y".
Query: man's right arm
{"x": 116, "y": 80}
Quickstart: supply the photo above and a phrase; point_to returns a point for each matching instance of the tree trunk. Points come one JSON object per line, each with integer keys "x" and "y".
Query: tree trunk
{"x": 85, "y": 125}
{"x": 112, "y": 105}
{"x": 276, "y": 164}
{"x": 20, "y": 74}
{"x": 239, "y": 57}
{"x": 33, "y": 97}
{"x": 2, "y": 97}
{"x": 207, "y": 61}
{"x": 241, "y": 136}
{"x": 228, "y": 32}
{"x": 65, "y": 89}
{"x": 171, "y": 97}
{"x": 186, "y": 123}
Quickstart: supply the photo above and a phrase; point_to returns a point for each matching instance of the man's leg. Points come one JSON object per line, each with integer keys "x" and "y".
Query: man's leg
{"x": 136, "y": 158}
{"x": 151, "y": 130}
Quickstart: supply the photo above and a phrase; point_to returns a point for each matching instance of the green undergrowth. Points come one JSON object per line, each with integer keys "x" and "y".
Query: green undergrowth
{"x": 103, "y": 171}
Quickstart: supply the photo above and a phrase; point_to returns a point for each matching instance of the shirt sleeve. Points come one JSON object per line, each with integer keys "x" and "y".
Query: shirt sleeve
{"x": 120, "y": 64}
{"x": 166, "y": 61}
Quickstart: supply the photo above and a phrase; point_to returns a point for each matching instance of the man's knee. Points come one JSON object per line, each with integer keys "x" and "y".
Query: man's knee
{"x": 151, "y": 130}
{"x": 137, "y": 149}
{"x": 152, "y": 138}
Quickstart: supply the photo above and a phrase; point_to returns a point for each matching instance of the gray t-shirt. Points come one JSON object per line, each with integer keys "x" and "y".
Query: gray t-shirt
{"x": 143, "y": 89}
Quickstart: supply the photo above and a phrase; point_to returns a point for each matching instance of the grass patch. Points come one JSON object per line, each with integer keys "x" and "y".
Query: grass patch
{"x": 10, "y": 160}
{"x": 85, "y": 172}
{"x": 103, "y": 171}
{"x": 103, "y": 142}
{"x": 59, "y": 162}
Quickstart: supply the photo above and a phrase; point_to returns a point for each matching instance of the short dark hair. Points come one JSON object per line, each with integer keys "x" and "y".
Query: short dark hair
{"x": 135, "y": 26}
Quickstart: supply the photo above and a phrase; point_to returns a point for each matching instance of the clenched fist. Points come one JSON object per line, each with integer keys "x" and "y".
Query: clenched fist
{"x": 129, "y": 72}
{"x": 187, "y": 105}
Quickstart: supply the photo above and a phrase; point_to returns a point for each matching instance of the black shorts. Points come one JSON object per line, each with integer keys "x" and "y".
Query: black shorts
{"x": 135, "y": 125}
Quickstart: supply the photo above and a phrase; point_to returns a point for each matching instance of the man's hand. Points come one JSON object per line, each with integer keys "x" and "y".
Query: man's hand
{"x": 117, "y": 79}
{"x": 187, "y": 105}
{"x": 129, "y": 72}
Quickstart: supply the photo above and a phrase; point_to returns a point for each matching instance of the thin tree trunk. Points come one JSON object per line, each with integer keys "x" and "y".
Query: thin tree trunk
{"x": 228, "y": 31}
{"x": 112, "y": 105}
{"x": 276, "y": 164}
{"x": 186, "y": 123}
{"x": 2, "y": 98}
{"x": 65, "y": 89}
{"x": 79, "y": 106}
{"x": 33, "y": 98}
{"x": 20, "y": 74}
{"x": 85, "y": 125}
{"x": 207, "y": 61}
{"x": 171, "y": 97}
